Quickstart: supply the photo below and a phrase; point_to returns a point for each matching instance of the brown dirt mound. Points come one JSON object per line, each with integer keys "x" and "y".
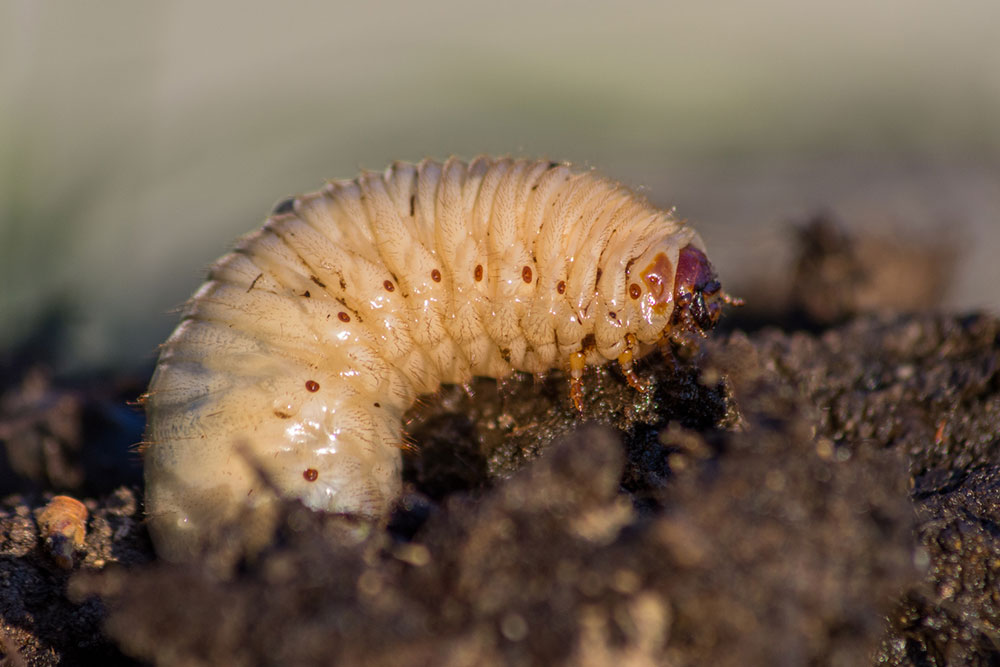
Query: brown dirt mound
{"x": 826, "y": 498}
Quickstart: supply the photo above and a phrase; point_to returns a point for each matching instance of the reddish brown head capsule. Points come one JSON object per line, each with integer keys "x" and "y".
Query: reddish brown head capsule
{"x": 697, "y": 294}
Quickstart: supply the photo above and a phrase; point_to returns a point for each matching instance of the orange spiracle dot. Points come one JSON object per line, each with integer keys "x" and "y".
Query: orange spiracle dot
{"x": 312, "y": 385}
{"x": 634, "y": 291}
{"x": 436, "y": 276}
{"x": 526, "y": 274}
{"x": 561, "y": 287}
{"x": 310, "y": 474}
{"x": 478, "y": 273}
{"x": 343, "y": 317}
{"x": 388, "y": 286}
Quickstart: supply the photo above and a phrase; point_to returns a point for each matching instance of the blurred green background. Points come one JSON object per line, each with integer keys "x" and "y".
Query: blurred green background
{"x": 138, "y": 139}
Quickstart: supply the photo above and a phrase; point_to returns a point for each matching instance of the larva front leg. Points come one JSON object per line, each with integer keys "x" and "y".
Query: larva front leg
{"x": 625, "y": 363}
{"x": 577, "y": 364}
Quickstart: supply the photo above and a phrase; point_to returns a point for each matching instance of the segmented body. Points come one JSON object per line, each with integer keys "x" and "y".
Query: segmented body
{"x": 298, "y": 357}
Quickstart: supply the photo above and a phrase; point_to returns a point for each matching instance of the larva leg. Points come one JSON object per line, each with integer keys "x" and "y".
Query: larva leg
{"x": 577, "y": 362}
{"x": 667, "y": 352}
{"x": 625, "y": 360}
{"x": 679, "y": 346}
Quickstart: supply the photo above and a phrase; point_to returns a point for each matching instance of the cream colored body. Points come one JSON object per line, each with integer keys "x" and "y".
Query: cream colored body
{"x": 230, "y": 403}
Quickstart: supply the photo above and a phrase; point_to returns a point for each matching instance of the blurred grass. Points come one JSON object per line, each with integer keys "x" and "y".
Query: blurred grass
{"x": 136, "y": 141}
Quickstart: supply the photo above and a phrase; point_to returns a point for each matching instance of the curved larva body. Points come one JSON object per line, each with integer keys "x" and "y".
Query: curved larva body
{"x": 300, "y": 354}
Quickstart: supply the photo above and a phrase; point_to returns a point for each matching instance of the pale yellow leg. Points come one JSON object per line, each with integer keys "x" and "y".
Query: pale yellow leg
{"x": 667, "y": 352}
{"x": 577, "y": 362}
{"x": 625, "y": 362}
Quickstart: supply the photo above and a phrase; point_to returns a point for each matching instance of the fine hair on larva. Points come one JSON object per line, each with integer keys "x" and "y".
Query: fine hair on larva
{"x": 294, "y": 363}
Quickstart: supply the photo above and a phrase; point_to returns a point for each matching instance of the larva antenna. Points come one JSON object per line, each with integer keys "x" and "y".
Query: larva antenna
{"x": 731, "y": 300}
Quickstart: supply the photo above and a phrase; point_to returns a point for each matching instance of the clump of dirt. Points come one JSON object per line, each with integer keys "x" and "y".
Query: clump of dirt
{"x": 820, "y": 495}
{"x": 838, "y": 275}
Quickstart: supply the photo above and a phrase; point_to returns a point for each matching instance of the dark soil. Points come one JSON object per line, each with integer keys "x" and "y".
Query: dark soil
{"x": 826, "y": 493}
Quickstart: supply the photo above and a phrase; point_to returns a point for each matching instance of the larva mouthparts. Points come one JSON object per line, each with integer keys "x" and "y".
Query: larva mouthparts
{"x": 296, "y": 360}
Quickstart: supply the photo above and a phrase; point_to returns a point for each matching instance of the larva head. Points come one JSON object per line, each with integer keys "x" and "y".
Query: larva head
{"x": 678, "y": 289}
{"x": 698, "y": 296}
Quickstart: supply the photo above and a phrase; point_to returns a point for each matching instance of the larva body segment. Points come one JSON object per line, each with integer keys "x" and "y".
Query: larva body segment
{"x": 294, "y": 363}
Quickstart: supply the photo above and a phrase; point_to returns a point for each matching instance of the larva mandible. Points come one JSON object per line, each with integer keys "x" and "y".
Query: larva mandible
{"x": 300, "y": 354}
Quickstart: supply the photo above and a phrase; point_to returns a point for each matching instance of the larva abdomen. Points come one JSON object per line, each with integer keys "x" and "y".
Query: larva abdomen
{"x": 294, "y": 363}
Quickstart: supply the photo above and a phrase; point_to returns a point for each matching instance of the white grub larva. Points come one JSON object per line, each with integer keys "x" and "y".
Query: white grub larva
{"x": 295, "y": 362}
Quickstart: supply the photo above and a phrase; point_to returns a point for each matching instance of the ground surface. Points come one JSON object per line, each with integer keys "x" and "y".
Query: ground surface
{"x": 824, "y": 493}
